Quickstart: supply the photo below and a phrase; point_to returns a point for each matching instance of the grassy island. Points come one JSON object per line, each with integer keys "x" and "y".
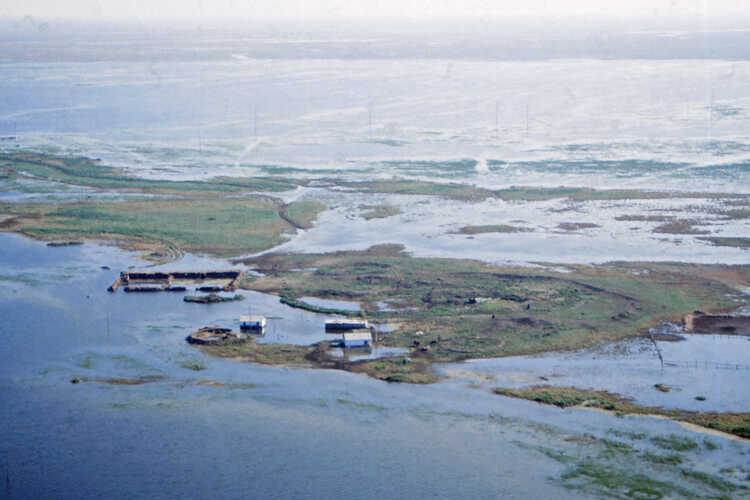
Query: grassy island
{"x": 445, "y": 310}
{"x": 563, "y": 397}
{"x": 160, "y": 218}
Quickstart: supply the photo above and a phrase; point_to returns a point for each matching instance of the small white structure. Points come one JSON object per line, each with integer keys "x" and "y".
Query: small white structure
{"x": 356, "y": 339}
{"x": 346, "y": 324}
{"x": 249, "y": 322}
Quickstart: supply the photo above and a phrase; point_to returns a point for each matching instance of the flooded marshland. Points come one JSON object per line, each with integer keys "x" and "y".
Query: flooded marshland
{"x": 464, "y": 152}
{"x": 713, "y": 368}
{"x": 145, "y": 400}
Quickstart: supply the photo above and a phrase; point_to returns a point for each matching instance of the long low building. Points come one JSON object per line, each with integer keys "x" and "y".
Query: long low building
{"x": 346, "y": 324}
{"x": 356, "y": 339}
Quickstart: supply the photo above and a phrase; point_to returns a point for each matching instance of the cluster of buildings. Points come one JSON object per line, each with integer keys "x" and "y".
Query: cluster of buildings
{"x": 353, "y": 332}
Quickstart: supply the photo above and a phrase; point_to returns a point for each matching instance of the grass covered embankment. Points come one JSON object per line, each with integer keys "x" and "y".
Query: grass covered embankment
{"x": 563, "y": 397}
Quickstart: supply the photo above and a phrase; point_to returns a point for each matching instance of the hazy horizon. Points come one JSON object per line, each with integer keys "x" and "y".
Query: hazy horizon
{"x": 526, "y": 38}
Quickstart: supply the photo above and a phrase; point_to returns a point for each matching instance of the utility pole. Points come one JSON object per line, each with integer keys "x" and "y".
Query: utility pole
{"x": 369, "y": 119}
{"x": 527, "y": 118}
{"x": 497, "y": 122}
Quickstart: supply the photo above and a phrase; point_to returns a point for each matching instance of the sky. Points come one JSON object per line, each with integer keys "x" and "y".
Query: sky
{"x": 327, "y": 9}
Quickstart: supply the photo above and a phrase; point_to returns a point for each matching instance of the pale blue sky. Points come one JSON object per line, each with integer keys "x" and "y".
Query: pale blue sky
{"x": 233, "y": 9}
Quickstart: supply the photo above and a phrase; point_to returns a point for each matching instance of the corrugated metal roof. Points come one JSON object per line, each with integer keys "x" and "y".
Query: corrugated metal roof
{"x": 349, "y": 323}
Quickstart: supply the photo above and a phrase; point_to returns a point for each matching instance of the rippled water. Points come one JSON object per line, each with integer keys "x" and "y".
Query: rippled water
{"x": 675, "y": 124}
{"x": 715, "y": 367}
{"x": 332, "y": 304}
{"x": 240, "y": 429}
{"x": 274, "y": 105}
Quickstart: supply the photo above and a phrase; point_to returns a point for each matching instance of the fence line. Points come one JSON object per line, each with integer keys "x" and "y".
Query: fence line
{"x": 708, "y": 365}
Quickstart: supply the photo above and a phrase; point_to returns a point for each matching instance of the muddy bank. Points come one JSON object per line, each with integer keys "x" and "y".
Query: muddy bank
{"x": 211, "y": 299}
{"x": 727, "y": 324}
{"x": 414, "y": 368}
{"x": 215, "y": 335}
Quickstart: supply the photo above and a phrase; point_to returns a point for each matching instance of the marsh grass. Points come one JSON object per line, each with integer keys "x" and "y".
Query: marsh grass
{"x": 301, "y": 214}
{"x": 670, "y": 459}
{"x": 468, "y": 192}
{"x": 728, "y": 241}
{"x": 86, "y": 172}
{"x": 563, "y": 397}
{"x": 194, "y": 365}
{"x": 370, "y": 212}
{"x": 215, "y": 226}
{"x": 493, "y": 228}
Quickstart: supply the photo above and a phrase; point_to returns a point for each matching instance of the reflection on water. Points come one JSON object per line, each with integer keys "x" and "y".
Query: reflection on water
{"x": 361, "y": 353}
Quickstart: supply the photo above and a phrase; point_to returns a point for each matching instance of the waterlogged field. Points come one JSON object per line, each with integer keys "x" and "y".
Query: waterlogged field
{"x": 474, "y": 210}
{"x": 448, "y": 309}
{"x": 198, "y": 217}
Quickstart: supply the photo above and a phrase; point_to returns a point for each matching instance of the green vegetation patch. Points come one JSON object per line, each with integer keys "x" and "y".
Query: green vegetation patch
{"x": 493, "y": 228}
{"x": 386, "y": 369}
{"x": 728, "y": 241}
{"x": 301, "y": 304}
{"x": 576, "y": 226}
{"x": 731, "y": 423}
{"x": 613, "y": 482}
{"x": 680, "y": 226}
{"x": 453, "y": 191}
{"x": 675, "y": 443}
{"x": 222, "y": 227}
{"x": 265, "y": 354}
{"x": 714, "y": 482}
{"x": 396, "y": 370}
{"x": 468, "y": 192}
{"x": 619, "y": 472}
{"x": 736, "y": 214}
{"x": 670, "y": 459}
{"x": 87, "y": 172}
{"x": 301, "y": 214}
{"x": 451, "y": 168}
{"x": 370, "y": 212}
{"x": 452, "y": 309}
{"x": 644, "y": 218}
{"x": 194, "y": 365}
{"x": 211, "y": 298}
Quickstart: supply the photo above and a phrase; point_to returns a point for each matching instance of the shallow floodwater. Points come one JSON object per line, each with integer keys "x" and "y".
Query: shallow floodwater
{"x": 715, "y": 367}
{"x": 304, "y": 104}
{"x": 358, "y": 354}
{"x": 344, "y": 305}
{"x": 429, "y": 226}
{"x": 197, "y": 425}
